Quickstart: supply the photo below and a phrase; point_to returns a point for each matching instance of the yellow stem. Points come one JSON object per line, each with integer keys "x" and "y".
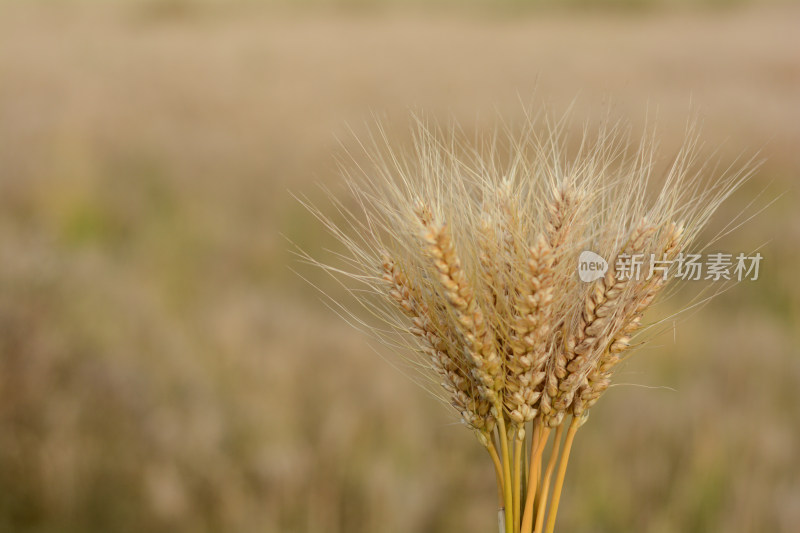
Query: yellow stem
{"x": 551, "y": 465}
{"x": 526, "y": 459}
{"x": 537, "y": 448}
{"x": 517, "y": 479}
{"x": 507, "y": 498}
{"x": 562, "y": 470}
{"x": 498, "y": 469}
{"x": 533, "y": 469}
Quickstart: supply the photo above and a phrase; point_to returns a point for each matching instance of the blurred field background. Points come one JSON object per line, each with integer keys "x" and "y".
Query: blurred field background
{"x": 163, "y": 369}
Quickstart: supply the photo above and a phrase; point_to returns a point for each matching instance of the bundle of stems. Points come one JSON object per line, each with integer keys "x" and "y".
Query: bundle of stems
{"x": 467, "y": 256}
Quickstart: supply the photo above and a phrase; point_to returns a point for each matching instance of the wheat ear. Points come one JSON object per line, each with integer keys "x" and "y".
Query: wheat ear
{"x": 574, "y": 360}
{"x": 457, "y": 381}
{"x": 599, "y": 379}
{"x": 529, "y": 337}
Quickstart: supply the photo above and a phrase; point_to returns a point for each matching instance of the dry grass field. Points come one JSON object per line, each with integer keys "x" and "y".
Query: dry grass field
{"x": 162, "y": 368}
